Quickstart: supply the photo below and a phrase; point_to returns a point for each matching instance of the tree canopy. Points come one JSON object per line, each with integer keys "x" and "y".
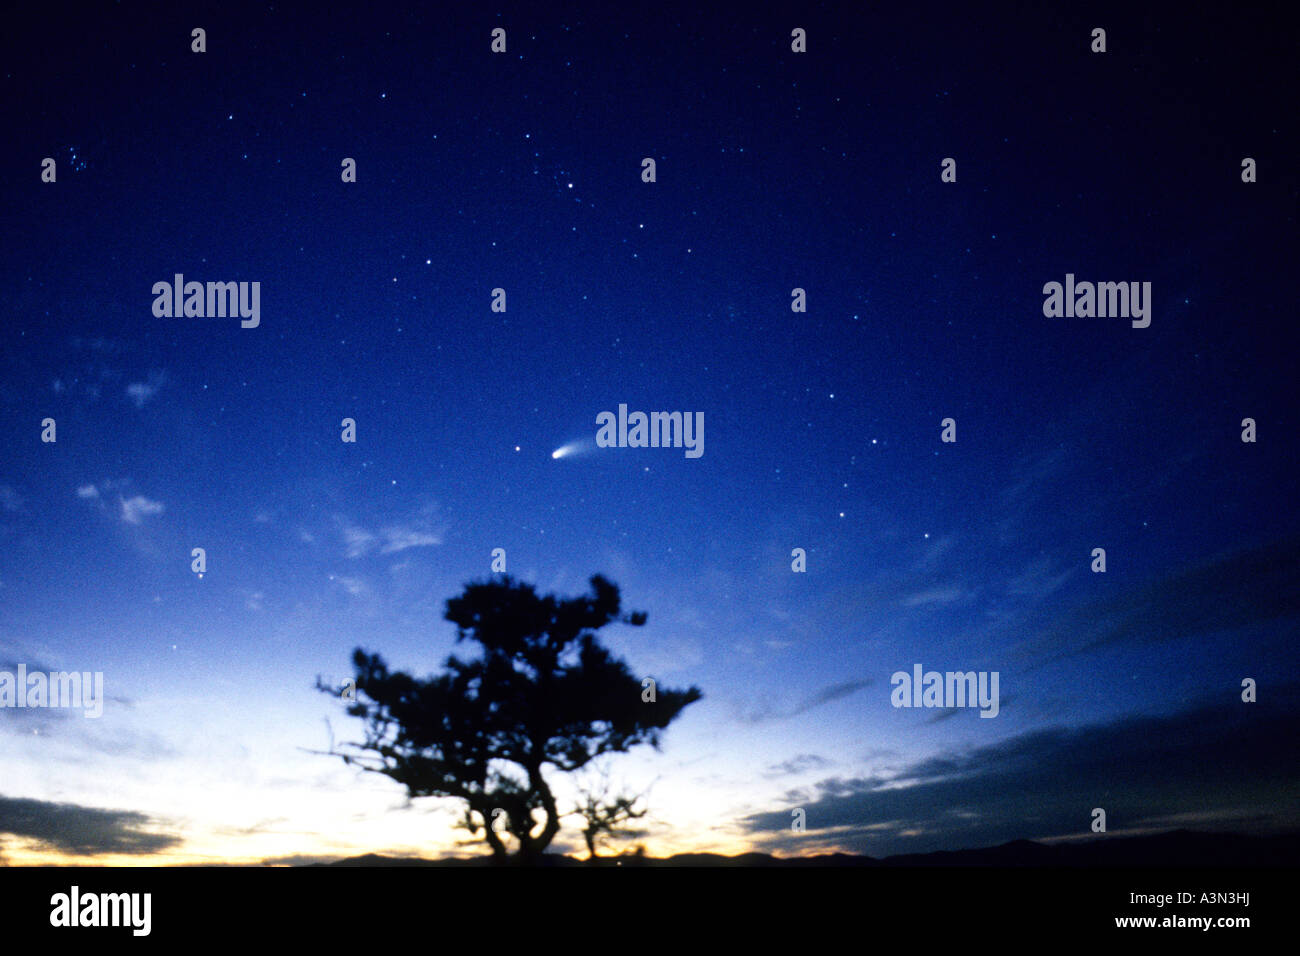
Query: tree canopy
{"x": 542, "y": 693}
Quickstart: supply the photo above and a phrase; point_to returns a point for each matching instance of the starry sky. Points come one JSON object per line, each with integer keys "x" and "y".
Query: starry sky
{"x": 775, "y": 171}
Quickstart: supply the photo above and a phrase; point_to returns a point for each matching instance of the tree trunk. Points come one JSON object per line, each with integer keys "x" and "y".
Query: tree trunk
{"x": 531, "y": 848}
{"x": 552, "y": 813}
{"x": 494, "y": 840}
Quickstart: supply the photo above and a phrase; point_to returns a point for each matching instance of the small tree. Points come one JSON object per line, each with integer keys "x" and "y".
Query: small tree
{"x": 543, "y": 693}
{"x": 603, "y": 814}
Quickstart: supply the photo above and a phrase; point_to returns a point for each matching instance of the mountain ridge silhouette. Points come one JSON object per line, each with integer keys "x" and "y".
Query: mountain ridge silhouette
{"x": 1171, "y": 848}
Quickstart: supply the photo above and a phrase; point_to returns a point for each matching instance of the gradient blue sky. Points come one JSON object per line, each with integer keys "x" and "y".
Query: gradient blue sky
{"x": 775, "y": 171}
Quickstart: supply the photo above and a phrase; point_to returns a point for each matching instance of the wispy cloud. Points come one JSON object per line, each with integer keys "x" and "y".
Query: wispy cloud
{"x": 88, "y": 371}
{"x": 393, "y": 537}
{"x": 359, "y": 541}
{"x": 82, "y": 831}
{"x": 398, "y": 538}
{"x": 142, "y": 392}
{"x": 1038, "y": 579}
{"x": 354, "y": 586}
{"x": 947, "y": 713}
{"x": 10, "y": 499}
{"x": 1034, "y": 472}
{"x": 1216, "y": 758}
{"x": 946, "y": 595}
{"x": 824, "y": 696}
{"x": 135, "y": 509}
{"x": 800, "y": 763}
{"x": 1244, "y": 588}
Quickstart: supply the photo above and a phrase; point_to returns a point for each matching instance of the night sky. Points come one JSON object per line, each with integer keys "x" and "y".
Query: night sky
{"x": 775, "y": 170}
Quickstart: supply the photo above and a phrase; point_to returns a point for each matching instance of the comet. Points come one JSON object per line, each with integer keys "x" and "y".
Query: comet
{"x": 574, "y": 449}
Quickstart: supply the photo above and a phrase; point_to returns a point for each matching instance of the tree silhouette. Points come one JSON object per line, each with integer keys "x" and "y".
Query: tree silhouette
{"x": 543, "y": 692}
{"x": 603, "y": 813}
